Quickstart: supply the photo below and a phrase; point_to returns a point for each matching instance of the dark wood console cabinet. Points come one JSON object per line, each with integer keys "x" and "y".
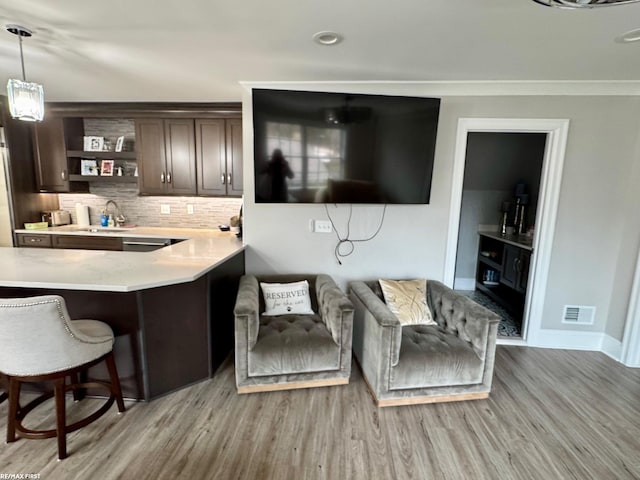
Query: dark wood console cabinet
{"x": 503, "y": 270}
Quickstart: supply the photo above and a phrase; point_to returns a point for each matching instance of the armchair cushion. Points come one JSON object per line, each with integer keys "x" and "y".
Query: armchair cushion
{"x": 407, "y": 300}
{"x": 293, "y": 344}
{"x": 431, "y": 357}
{"x": 286, "y": 298}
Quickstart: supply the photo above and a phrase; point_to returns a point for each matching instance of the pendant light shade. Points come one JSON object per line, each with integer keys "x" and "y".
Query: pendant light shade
{"x": 26, "y": 99}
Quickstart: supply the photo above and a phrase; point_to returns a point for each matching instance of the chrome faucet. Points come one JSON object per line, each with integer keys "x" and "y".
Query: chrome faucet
{"x": 119, "y": 217}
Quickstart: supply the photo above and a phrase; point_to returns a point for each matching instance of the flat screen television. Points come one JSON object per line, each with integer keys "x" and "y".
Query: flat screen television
{"x": 319, "y": 147}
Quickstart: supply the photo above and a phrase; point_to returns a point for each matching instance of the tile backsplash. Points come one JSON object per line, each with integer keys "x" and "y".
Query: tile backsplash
{"x": 208, "y": 212}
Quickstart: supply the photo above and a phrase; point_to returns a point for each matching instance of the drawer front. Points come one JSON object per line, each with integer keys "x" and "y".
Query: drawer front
{"x": 34, "y": 241}
{"x": 87, "y": 242}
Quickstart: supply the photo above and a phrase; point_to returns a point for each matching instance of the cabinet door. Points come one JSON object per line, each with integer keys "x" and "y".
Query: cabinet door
{"x": 151, "y": 156}
{"x": 34, "y": 240}
{"x": 181, "y": 156}
{"x": 210, "y": 148}
{"x": 234, "y": 156}
{"x": 51, "y": 156}
{"x": 510, "y": 259}
{"x": 88, "y": 242}
{"x": 523, "y": 267}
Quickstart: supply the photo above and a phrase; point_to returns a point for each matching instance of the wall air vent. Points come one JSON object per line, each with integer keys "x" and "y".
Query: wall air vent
{"x": 583, "y": 3}
{"x": 578, "y": 314}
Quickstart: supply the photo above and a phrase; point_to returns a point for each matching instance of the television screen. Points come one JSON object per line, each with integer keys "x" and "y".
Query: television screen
{"x": 318, "y": 147}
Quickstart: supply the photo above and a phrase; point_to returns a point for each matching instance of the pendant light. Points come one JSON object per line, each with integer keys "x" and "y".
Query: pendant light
{"x": 26, "y": 99}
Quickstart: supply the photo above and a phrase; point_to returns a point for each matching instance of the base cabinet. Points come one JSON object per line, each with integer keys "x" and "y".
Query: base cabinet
{"x": 26, "y": 240}
{"x": 86, "y": 242}
{"x": 78, "y": 242}
{"x": 502, "y": 272}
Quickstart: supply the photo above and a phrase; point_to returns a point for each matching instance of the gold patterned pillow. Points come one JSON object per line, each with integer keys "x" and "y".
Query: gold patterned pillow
{"x": 407, "y": 300}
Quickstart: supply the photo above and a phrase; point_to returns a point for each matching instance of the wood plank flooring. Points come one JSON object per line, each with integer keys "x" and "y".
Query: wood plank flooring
{"x": 552, "y": 414}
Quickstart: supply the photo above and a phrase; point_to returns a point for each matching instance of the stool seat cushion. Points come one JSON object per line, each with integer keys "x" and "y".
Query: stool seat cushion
{"x": 55, "y": 343}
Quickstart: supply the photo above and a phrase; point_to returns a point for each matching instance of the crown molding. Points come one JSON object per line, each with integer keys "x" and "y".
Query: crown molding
{"x": 467, "y": 88}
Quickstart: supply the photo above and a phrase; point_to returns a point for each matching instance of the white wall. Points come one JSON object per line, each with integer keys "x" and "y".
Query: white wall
{"x": 591, "y": 225}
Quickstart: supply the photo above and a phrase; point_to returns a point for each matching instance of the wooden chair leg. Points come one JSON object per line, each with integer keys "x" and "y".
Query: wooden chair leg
{"x": 115, "y": 381}
{"x": 14, "y": 405}
{"x": 60, "y": 418}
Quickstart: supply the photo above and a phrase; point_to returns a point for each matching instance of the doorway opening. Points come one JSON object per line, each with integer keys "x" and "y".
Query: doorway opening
{"x": 500, "y": 193}
{"x": 508, "y": 264}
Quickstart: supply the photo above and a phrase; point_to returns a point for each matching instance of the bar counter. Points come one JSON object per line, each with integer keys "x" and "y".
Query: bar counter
{"x": 170, "y": 309}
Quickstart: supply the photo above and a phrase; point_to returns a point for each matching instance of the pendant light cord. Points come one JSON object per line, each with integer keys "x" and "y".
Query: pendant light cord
{"x": 24, "y": 76}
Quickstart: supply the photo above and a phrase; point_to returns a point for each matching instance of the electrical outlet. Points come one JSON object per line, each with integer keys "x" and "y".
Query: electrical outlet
{"x": 189, "y": 209}
{"x": 322, "y": 226}
{"x": 165, "y": 209}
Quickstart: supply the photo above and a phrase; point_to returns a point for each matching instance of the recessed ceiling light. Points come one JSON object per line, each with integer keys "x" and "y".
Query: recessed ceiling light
{"x": 327, "y": 38}
{"x": 629, "y": 37}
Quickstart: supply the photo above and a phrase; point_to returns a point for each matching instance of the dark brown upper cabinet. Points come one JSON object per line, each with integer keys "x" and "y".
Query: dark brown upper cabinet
{"x": 166, "y": 156}
{"x": 181, "y": 156}
{"x": 50, "y": 150}
{"x": 219, "y": 154}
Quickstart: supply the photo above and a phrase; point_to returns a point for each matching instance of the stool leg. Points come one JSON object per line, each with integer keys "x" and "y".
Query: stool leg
{"x": 4, "y": 384}
{"x": 115, "y": 381}
{"x": 14, "y": 405}
{"x": 60, "y": 418}
{"x": 77, "y": 395}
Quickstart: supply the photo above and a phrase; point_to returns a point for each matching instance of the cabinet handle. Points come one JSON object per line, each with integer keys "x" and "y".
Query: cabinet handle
{"x": 162, "y": 177}
{"x": 222, "y": 179}
{"x": 35, "y": 240}
{"x": 63, "y": 175}
{"x": 229, "y": 179}
{"x": 168, "y": 177}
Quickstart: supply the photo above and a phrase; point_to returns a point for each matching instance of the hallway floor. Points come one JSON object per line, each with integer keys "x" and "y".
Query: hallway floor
{"x": 509, "y": 326}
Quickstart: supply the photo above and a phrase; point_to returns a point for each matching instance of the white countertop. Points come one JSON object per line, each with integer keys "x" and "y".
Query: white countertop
{"x": 522, "y": 241}
{"x": 111, "y": 271}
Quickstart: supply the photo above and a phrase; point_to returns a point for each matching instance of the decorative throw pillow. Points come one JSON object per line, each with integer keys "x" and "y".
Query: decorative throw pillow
{"x": 286, "y": 298}
{"x": 407, "y": 300}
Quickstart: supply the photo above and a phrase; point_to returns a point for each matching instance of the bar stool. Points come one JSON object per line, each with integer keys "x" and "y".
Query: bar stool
{"x": 39, "y": 342}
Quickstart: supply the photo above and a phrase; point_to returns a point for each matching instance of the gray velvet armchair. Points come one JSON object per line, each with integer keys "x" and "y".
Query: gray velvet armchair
{"x": 292, "y": 351}
{"x": 412, "y": 364}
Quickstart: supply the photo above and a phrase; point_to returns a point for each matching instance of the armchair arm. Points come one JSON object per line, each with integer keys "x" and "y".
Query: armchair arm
{"x": 334, "y": 306}
{"x": 460, "y": 315}
{"x": 247, "y": 307}
{"x": 384, "y": 318}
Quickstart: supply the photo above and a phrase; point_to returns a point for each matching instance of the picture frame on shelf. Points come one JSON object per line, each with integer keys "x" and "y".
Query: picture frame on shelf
{"x": 106, "y": 168}
{"x": 119, "y": 143}
{"x": 93, "y": 144}
{"x": 88, "y": 167}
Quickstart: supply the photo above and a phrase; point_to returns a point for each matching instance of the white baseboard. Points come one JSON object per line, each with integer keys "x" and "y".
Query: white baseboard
{"x": 567, "y": 339}
{"x": 576, "y": 340}
{"x": 612, "y": 347}
{"x": 464, "y": 284}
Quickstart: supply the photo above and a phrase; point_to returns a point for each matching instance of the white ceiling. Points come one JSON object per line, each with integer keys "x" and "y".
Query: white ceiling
{"x": 198, "y": 50}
